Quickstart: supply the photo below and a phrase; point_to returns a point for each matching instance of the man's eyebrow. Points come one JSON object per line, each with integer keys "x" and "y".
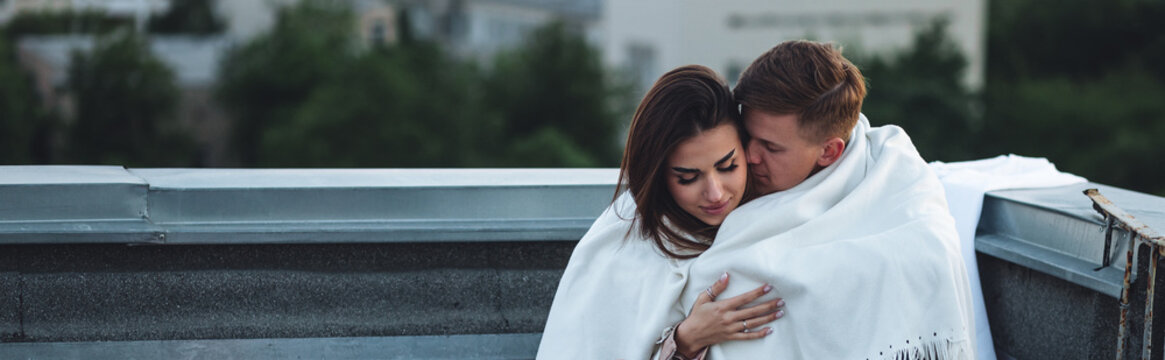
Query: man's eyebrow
{"x": 726, "y": 157}
{"x": 767, "y": 143}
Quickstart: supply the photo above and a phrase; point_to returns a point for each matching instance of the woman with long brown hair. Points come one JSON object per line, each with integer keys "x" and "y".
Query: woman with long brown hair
{"x": 683, "y": 172}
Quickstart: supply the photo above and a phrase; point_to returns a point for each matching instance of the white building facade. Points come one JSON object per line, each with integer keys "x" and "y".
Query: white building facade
{"x": 140, "y": 10}
{"x": 482, "y": 28}
{"x": 649, "y": 37}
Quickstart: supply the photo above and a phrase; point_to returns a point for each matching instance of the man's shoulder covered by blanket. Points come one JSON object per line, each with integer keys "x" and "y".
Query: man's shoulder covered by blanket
{"x": 864, "y": 253}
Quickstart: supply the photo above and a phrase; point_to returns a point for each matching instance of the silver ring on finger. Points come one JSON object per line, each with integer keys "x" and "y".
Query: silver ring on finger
{"x": 745, "y": 323}
{"x": 710, "y": 294}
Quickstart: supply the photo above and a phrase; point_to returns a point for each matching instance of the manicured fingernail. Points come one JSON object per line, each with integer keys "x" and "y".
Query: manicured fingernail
{"x": 768, "y": 331}
{"x": 780, "y": 303}
{"x": 780, "y": 314}
{"x": 723, "y": 277}
{"x": 768, "y": 288}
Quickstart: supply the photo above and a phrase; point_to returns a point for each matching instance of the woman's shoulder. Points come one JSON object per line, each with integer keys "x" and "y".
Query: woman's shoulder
{"x": 616, "y": 231}
{"x": 614, "y": 222}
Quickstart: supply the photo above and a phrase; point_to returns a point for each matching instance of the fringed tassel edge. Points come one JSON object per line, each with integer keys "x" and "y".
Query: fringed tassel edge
{"x": 939, "y": 349}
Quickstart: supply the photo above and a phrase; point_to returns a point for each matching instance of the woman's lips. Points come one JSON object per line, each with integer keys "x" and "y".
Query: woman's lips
{"x": 716, "y": 209}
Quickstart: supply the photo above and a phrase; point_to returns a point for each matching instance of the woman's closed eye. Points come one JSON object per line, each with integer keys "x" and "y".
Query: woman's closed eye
{"x": 693, "y": 174}
{"x": 691, "y": 179}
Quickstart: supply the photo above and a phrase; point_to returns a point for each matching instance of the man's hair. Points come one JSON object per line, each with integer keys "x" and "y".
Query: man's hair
{"x": 808, "y": 79}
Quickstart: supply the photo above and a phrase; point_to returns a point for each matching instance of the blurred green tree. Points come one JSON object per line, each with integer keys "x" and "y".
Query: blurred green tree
{"x": 1080, "y": 39}
{"x": 561, "y": 108}
{"x": 1107, "y": 129}
{"x": 64, "y": 22}
{"x": 124, "y": 102}
{"x": 308, "y": 94}
{"x": 262, "y": 83}
{"x": 1079, "y": 82}
{"x": 405, "y": 106}
{"x": 188, "y": 17}
{"x": 19, "y": 111}
{"x": 921, "y": 89}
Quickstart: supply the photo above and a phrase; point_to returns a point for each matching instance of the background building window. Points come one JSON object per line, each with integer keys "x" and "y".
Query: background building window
{"x": 379, "y": 32}
{"x": 641, "y": 61}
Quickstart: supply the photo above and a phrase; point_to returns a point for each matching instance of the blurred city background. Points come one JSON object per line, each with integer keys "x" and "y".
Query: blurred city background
{"x": 553, "y": 83}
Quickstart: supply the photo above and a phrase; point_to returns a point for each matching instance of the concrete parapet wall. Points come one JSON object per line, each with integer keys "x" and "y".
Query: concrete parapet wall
{"x": 102, "y": 253}
{"x": 1047, "y": 293}
{"x": 145, "y": 257}
{"x": 107, "y": 292}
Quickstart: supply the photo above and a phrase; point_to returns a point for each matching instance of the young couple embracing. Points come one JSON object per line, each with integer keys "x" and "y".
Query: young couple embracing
{"x": 769, "y": 221}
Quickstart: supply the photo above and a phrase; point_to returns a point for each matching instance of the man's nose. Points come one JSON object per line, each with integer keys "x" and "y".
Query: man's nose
{"x": 753, "y": 153}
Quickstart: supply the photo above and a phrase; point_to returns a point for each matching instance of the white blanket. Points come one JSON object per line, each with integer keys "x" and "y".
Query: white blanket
{"x": 864, "y": 253}
{"x": 966, "y": 182}
{"x": 617, "y": 294}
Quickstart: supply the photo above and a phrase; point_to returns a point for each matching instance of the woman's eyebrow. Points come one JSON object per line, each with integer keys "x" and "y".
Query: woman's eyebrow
{"x": 726, "y": 157}
{"x": 718, "y": 162}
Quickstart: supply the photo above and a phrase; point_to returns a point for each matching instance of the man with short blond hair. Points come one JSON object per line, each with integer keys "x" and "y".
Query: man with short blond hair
{"x": 801, "y": 101}
{"x": 852, "y": 229}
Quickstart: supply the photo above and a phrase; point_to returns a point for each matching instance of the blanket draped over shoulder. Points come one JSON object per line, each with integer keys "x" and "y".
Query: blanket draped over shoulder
{"x": 864, "y": 253}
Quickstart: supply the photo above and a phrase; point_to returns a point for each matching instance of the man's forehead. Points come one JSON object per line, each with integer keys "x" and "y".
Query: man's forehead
{"x": 767, "y": 125}
{"x": 744, "y": 110}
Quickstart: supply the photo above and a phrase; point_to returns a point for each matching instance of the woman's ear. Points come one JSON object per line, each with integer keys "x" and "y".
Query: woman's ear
{"x": 833, "y": 148}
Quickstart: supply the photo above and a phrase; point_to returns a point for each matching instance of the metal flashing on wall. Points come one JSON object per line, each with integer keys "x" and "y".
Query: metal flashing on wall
{"x": 1056, "y": 231}
{"x": 82, "y": 204}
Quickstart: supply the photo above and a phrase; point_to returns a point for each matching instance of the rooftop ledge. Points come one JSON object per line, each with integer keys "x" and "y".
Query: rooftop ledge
{"x": 1053, "y": 230}
{"x": 109, "y": 204}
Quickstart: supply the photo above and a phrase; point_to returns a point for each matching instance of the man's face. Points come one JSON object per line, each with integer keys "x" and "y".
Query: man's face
{"x": 779, "y": 157}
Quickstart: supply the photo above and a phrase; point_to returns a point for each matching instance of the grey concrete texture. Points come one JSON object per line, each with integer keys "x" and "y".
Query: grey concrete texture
{"x": 1038, "y": 316}
{"x": 9, "y": 306}
{"x": 119, "y": 293}
{"x": 9, "y": 297}
{"x": 439, "y": 347}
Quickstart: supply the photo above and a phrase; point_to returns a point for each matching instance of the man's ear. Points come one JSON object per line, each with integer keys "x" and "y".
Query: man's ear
{"x": 834, "y": 147}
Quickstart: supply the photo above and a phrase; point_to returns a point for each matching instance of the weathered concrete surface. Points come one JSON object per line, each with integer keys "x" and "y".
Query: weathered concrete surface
{"x": 9, "y": 297}
{"x": 120, "y": 293}
{"x": 1037, "y": 316}
{"x": 437, "y": 347}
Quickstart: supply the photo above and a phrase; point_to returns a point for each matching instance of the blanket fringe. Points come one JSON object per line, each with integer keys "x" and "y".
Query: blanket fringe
{"x": 938, "y": 349}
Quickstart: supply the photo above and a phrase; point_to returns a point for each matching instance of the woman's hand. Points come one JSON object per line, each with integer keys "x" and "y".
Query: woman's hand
{"x": 712, "y": 322}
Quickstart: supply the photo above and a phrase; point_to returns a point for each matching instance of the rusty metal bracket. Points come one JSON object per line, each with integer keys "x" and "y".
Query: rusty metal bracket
{"x": 1147, "y": 349}
{"x": 1116, "y": 217}
{"x": 1124, "y": 220}
{"x": 1130, "y": 263}
{"x": 1107, "y": 258}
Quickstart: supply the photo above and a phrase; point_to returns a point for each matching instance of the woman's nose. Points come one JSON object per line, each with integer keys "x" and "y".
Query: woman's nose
{"x": 715, "y": 190}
